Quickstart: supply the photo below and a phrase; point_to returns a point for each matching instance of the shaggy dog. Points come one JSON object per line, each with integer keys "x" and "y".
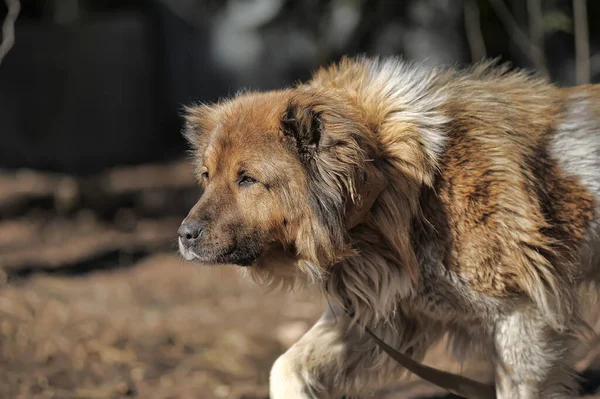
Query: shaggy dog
{"x": 424, "y": 201}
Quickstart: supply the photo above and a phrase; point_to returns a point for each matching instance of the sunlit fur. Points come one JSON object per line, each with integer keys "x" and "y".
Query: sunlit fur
{"x": 487, "y": 228}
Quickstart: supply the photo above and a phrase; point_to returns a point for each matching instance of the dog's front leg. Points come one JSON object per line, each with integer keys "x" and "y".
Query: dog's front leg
{"x": 331, "y": 361}
{"x": 324, "y": 363}
{"x": 532, "y": 359}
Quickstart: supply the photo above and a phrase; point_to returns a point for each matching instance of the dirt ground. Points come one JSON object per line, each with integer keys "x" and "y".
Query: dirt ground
{"x": 95, "y": 303}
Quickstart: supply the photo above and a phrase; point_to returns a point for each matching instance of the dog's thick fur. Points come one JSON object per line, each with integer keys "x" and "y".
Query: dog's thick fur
{"x": 486, "y": 226}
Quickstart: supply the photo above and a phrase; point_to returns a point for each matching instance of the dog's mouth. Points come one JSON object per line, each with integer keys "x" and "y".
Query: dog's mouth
{"x": 236, "y": 255}
{"x": 231, "y": 255}
{"x": 187, "y": 253}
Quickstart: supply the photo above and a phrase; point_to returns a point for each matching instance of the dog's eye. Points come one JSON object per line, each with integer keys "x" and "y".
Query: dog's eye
{"x": 204, "y": 173}
{"x": 246, "y": 180}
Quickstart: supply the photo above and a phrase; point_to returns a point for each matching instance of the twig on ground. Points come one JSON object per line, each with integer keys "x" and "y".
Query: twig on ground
{"x": 8, "y": 27}
{"x": 536, "y": 27}
{"x": 473, "y": 31}
{"x": 594, "y": 65}
{"x": 582, "y": 47}
{"x": 533, "y": 52}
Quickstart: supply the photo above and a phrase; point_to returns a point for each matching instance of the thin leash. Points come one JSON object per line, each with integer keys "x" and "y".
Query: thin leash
{"x": 454, "y": 383}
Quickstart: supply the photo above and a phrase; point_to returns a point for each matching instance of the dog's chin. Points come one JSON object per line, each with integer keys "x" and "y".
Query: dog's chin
{"x": 237, "y": 256}
{"x": 234, "y": 256}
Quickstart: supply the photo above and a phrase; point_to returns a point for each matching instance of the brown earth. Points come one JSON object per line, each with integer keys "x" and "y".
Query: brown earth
{"x": 95, "y": 303}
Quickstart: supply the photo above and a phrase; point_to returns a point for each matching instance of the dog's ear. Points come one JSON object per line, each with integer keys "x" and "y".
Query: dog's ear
{"x": 368, "y": 190}
{"x": 304, "y": 127}
{"x": 199, "y": 120}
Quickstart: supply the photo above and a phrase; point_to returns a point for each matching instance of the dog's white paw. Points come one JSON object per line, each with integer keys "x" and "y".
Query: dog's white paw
{"x": 286, "y": 381}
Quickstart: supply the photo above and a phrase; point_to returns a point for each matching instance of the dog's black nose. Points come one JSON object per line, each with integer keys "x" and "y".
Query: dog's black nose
{"x": 190, "y": 231}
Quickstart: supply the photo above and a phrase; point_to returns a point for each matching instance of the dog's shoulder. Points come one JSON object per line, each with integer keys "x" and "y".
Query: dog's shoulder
{"x": 516, "y": 215}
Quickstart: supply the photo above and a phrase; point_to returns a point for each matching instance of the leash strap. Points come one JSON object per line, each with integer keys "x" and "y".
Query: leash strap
{"x": 454, "y": 383}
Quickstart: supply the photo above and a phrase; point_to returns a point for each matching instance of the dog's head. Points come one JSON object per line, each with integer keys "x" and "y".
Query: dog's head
{"x": 285, "y": 175}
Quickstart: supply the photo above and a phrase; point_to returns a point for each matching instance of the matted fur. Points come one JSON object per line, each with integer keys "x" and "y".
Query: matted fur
{"x": 486, "y": 229}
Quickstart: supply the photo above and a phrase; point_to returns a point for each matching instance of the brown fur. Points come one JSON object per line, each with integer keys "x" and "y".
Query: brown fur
{"x": 473, "y": 220}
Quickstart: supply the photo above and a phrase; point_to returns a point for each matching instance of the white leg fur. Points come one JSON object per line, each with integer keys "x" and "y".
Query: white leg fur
{"x": 286, "y": 381}
{"x": 300, "y": 372}
{"x": 308, "y": 369}
{"x": 331, "y": 361}
{"x": 532, "y": 360}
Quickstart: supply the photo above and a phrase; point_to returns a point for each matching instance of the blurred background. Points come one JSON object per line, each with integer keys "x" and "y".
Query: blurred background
{"x": 94, "y": 176}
